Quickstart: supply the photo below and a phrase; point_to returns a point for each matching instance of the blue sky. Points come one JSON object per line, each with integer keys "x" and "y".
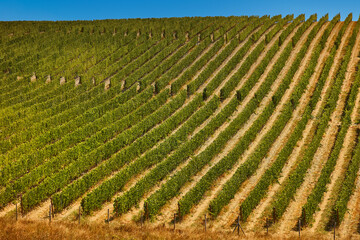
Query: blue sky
{"x": 112, "y": 9}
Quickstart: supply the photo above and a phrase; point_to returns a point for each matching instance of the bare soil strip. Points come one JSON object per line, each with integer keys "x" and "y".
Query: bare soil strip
{"x": 39, "y": 213}
{"x": 9, "y": 208}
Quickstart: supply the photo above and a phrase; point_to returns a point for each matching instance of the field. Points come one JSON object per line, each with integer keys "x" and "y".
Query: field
{"x": 151, "y": 122}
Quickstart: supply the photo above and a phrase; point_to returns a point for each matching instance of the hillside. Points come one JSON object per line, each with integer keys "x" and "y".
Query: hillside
{"x": 223, "y": 118}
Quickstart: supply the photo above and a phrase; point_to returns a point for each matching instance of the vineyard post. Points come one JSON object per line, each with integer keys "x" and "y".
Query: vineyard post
{"x": 16, "y": 213}
{"x": 274, "y": 214}
{"x": 334, "y": 230}
{"x": 146, "y": 211}
{"x": 238, "y": 225}
{"x": 21, "y": 204}
{"x": 174, "y": 221}
{"x": 50, "y": 213}
{"x": 205, "y": 222}
{"x": 299, "y": 222}
{"x": 141, "y": 219}
{"x": 303, "y": 216}
{"x": 108, "y": 217}
{"x": 79, "y": 214}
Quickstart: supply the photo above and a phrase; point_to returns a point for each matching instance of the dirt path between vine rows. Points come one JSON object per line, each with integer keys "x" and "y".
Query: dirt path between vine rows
{"x": 8, "y": 209}
{"x": 40, "y": 212}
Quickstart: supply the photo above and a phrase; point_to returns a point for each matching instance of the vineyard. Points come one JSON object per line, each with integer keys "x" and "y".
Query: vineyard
{"x": 171, "y": 121}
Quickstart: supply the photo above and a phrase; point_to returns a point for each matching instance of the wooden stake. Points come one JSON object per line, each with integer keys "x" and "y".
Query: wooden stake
{"x": 205, "y": 222}
{"x": 174, "y": 221}
{"x": 334, "y": 230}
{"x": 79, "y": 213}
{"x": 16, "y": 213}
{"x": 238, "y": 224}
{"x": 108, "y": 216}
{"x": 274, "y": 214}
{"x": 299, "y": 222}
{"x": 238, "y": 227}
{"x": 50, "y": 213}
{"x": 235, "y": 227}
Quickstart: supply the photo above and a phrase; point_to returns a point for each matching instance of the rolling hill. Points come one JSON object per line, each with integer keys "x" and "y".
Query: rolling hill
{"x": 250, "y": 118}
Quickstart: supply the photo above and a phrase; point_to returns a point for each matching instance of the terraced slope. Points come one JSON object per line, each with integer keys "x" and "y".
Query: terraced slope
{"x": 256, "y": 117}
